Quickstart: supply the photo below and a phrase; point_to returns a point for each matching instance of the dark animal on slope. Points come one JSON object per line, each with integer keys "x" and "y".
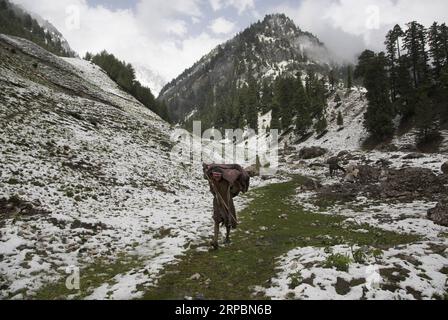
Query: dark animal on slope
{"x": 334, "y": 166}
{"x": 226, "y": 182}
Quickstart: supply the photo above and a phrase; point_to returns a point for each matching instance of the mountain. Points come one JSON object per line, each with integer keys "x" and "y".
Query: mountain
{"x": 149, "y": 78}
{"x": 16, "y": 21}
{"x": 264, "y": 50}
{"x": 86, "y": 174}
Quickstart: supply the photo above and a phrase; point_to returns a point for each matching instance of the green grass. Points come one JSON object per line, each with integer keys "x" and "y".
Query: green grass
{"x": 93, "y": 276}
{"x": 233, "y": 271}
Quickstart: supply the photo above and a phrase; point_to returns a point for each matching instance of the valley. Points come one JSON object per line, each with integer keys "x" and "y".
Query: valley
{"x": 90, "y": 184}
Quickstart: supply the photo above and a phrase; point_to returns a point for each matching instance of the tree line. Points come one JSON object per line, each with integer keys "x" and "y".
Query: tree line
{"x": 124, "y": 75}
{"x": 297, "y": 102}
{"x": 409, "y": 80}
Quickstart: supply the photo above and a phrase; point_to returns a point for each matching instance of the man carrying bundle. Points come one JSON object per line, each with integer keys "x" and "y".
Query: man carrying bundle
{"x": 226, "y": 182}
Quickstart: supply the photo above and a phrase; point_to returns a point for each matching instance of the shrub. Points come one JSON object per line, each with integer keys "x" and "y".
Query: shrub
{"x": 339, "y": 261}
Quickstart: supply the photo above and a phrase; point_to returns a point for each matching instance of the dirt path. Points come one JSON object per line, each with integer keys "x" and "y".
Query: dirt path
{"x": 269, "y": 227}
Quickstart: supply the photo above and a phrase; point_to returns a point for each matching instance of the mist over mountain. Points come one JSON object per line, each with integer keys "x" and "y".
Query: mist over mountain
{"x": 269, "y": 48}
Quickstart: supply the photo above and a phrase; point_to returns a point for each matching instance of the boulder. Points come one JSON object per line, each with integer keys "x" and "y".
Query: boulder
{"x": 439, "y": 214}
{"x": 413, "y": 182}
{"x": 368, "y": 174}
{"x": 384, "y": 163}
{"x": 408, "y": 148}
{"x": 312, "y": 152}
{"x": 309, "y": 184}
{"x": 343, "y": 154}
{"x": 387, "y": 147}
{"x": 445, "y": 168}
{"x": 414, "y": 155}
{"x": 253, "y": 171}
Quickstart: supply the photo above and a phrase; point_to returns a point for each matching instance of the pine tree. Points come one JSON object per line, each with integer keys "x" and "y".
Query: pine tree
{"x": 394, "y": 55}
{"x": 340, "y": 120}
{"x": 321, "y": 124}
{"x": 252, "y": 102}
{"x": 405, "y": 99}
{"x": 378, "y": 118}
{"x": 301, "y": 105}
{"x": 425, "y": 117}
{"x": 444, "y": 91}
{"x": 332, "y": 79}
{"x": 266, "y": 97}
{"x": 437, "y": 48}
{"x": 415, "y": 43}
{"x": 349, "y": 78}
{"x": 88, "y": 56}
{"x": 283, "y": 100}
{"x": 275, "y": 115}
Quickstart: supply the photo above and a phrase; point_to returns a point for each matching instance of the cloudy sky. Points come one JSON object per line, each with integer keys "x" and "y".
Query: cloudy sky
{"x": 167, "y": 36}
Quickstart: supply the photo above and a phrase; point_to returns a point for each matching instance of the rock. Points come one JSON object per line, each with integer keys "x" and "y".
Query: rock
{"x": 344, "y": 154}
{"x": 445, "y": 168}
{"x": 195, "y": 277}
{"x": 387, "y": 148}
{"x": 312, "y": 152}
{"x": 408, "y": 148}
{"x": 317, "y": 165}
{"x": 384, "y": 163}
{"x": 339, "y": 192}
{"x": 352, "y": 176}
{"x": 368, "y": 174}
{"x": 440, "y": 213}
{"x": 414, "y": 155}
{"x": 253, "y": 171}
{"x": 310, "y": 184}
{"x": 200, "y": 297}
{"x": 333, "y": 161}
{"x": 413, "y": 182}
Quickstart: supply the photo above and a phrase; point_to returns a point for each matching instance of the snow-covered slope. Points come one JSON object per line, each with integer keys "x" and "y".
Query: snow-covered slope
{"x": 265, "y": 50}
{"x": 352, "y": 104}
{"x": 85, "y": 176}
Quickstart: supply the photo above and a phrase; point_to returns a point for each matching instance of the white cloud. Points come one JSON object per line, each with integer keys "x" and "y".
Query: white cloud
{"x": 222, "y": 26}
{"x": 349, "y": 26}
{"x": 155, "y": 35}
{"x": 216, "y": 4}
{"x": 240, "y": 5}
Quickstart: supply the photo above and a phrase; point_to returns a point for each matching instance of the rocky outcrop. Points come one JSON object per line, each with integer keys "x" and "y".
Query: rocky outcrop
{"x": 368, "y": 174}
{"x": 414, "y": 155}
{"x": 406, "y": 185}
{"x": 439, "y": 214}
{"x": 414, "y": 182}
{"x": 312, "y": 152}
{"x": 445, "y": 168}
{"x": 17, "y": 206}
{"x": 309, "y": 184}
